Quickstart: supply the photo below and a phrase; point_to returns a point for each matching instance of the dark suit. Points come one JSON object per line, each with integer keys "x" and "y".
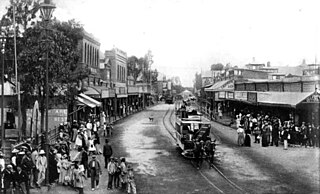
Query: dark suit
{"x": 107, "y": 153}
{"x": 21, "y": 179}
{"x": 94, "y": 172}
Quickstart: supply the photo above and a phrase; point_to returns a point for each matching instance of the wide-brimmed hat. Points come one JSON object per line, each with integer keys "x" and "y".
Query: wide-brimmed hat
{"x": 42, "y": 152}
{"x": 22, "y": 153}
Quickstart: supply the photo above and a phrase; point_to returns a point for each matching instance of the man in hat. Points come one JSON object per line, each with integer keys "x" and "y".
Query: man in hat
{"x": 41, "y": 167}
{"x": 21, "y": 179}
{"x": 111, "y": 171}
{"x": 27, "y": 166}
{"x": 19, "y": 158}
{"x": 8, "y": 177}
{"x": 107, "y": 153}
{"x": 34, "y": 157}
{"x": 14, "y": 156}
{"x": 2, "y": 163}
{"x": 94, "y": 172}
{"x": 210, "y": 148}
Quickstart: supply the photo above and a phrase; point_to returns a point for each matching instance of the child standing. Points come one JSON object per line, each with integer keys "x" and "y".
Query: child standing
{"x": 131, "y": 182}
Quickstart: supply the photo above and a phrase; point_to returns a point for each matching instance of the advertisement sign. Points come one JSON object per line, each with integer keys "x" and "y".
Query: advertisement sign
{"x": 228, "y": 86}
{"x": 252, "y": 97}
{"x": 241, "y": 95}
{"x": 222, "y": 95}
{"x": 57, "y": 116}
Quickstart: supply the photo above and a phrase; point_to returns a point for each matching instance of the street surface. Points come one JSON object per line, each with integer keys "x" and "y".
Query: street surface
{"x": 159, "y": 167}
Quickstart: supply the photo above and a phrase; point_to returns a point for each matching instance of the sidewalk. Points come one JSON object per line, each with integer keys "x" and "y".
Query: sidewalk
{"x": 60, "y": 189}
{"x": 298, "y": 162}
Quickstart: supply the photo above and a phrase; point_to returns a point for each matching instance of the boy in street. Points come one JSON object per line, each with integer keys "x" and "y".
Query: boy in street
{"x": 131, "y": 182}
{"x": 111, "y": 171}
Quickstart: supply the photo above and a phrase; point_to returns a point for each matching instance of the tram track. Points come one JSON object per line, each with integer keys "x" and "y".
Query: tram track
{"x": 238, "y": 189}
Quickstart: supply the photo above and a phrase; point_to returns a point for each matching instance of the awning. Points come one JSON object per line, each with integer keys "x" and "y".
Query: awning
{"x": 225, "y": 85}
{"x": 83, "y": 101}
{"x": 88, "y": 100}
{"x": 92, "y": 91}
{"x": 287, "y": 99}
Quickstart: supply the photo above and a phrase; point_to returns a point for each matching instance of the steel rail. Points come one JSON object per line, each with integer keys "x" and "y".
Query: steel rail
{"x": 234, "y": 185}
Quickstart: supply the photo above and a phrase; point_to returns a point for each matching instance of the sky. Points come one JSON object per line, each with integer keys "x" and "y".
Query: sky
{"x": 187, "y": 36}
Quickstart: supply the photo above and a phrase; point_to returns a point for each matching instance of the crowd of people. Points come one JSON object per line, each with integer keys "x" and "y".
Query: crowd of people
{"x": 270, "y": 130}
{"x": 72, "y": 160}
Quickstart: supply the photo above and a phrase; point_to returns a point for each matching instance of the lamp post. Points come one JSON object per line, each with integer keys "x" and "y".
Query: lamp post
{"x": 3, "y": 43}
{"x": 47, "y": 9}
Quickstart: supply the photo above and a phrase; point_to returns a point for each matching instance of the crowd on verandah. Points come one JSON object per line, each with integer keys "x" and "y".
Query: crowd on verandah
{"x": 270, "y": 130}
{"x": 72, "y": 160}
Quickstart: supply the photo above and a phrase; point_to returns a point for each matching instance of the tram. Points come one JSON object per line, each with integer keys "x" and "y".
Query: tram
{"x": 190, "y": 127}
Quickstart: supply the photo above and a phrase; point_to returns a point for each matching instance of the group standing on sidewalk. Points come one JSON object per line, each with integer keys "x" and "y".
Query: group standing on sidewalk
{"x": 72, "y": 160}
{"x": 270, "y": 130}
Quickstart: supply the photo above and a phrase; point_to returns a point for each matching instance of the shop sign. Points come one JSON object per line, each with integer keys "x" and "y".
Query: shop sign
{"x": 313, "y": 98}
{"x": 110, "y": 93}
{"x": 252, "y": 97}
{"x": 241, "y": 95}
{"x": 216, "y": 95}
{"x": 228, "y": 86}
{"x": 230, "y": 95}
{"x": 56, "y": 116}
{"x": 222, "y": 95}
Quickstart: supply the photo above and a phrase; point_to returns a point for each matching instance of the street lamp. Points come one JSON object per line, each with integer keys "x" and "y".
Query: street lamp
{"x": 47, "y": 9}
{"x": 2, "y": 45}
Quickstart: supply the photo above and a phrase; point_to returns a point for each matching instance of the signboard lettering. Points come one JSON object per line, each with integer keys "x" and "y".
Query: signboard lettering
{"x": 241, "y": 95}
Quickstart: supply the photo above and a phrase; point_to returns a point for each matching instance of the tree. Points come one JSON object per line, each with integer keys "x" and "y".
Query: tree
{"x": 63, "y": 55}
{"x": 216, "y": 67}
{"x": 133, "y": 67}
{"x": 61, "y": 43}
{"x": 154, "y": 75}
{"x": 198, "y": 81}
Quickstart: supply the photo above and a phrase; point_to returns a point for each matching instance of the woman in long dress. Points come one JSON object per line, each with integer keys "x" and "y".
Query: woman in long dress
{"x": 78, "y": 178}
{"x": 92, "y": 149}
{"x": 96, "y": 142}
{"x": 78, "y": 142}
{"x": 247, "y": 138}
{"x": 64, "y": 166}
{"x": 264, "y": 136}
{"x": 240, "y": 132}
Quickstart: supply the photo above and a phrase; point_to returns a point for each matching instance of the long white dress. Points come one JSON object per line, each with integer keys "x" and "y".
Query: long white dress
{"x": 92, "y": 148}
{"x": 78, "y": 140}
